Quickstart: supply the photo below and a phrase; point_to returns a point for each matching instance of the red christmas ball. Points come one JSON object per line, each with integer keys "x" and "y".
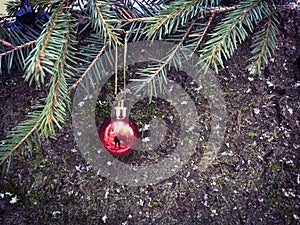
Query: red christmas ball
{"x": 118, "y": 136}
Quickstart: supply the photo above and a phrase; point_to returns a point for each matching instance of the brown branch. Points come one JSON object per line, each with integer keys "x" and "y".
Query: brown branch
{"x": 138, "y": 19}
{"x": 265, "y": 40}
{"x": 90, "y": 66}
{"x": 217, "y": 48}
{"x": 175, "y": 50}
{"x": 17, "y": 48}
{"x": 221, "y": 9}
{"x": 110, "y": 32}
{"x": 20, "y": 143}
{"x": 7, "y": 44}
{"x": 125, "y": 11}
{"x": 203, "y": 34}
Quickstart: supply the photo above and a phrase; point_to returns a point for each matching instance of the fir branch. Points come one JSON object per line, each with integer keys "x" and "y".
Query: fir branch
{"x": 57, "y": 100}
{"x": 7, "y": 44}
{"x": 264, "y": 44}
{"x": 17, "y": 48}
{"x": 43, "y": 56}
{"x": 159, "y": 70}
{"x": 18, "y": 136}
{"x": 89, "y": 67}
{"x": 202, "y": 35}
{"x": 137, "y": 19}
{"x": 102, "y": 20}
{"x": 231, "y": 31}
{"x": 178, "y": 13}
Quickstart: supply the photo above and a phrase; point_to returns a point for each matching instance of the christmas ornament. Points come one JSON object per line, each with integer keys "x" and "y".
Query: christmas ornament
{"x": 26, "y": 14}
{"x": 119, "y": 135}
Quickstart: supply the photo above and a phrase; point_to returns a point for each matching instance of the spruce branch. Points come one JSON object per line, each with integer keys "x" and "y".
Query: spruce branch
{"x": 158, "y": 72}
{"x": 43, "y": 56}
{"x": 202, "y": 35}
{"x": 17, "y": 48}
{"x": 18, "y": 136}
{"x": 232, "y": 30}
{"x": 103, "y": 20}
{"x": 102, "y": 50}
{"x": 264, "y": 44}
{"x": 57, "y": 100}
{"x": 7, "y": 44}
{"x": 168, "y": 20}
{"x": 179, "y": 13}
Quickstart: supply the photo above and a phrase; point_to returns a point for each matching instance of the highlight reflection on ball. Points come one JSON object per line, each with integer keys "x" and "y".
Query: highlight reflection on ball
{"x": 118, "y": 136}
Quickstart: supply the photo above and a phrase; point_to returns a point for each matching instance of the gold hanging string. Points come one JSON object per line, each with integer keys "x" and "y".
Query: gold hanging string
{"x": 116, "y": 71}
{"x": 124, "y": 68}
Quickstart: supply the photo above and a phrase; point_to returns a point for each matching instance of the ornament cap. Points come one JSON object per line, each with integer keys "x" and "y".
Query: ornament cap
{"x": 121, "y": 111}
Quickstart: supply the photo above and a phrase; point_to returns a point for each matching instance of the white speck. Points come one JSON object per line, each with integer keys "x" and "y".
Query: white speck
{"x": 269, "y": 83}
{"x": 252, "y": 69}
{"x": 108, "y": 163}
{"x": 146, "y": 139}
{"x": 129, "y": 216}
{"x": 289, "y": 162}
{"x": 1, "y": 195}
{"x": 248, "y": 90}
{"x": 297, "y": 84}
{"x": 290, "y": 111}
{"x": 296, "y": 217}
{"x": 140, "y": 202}
{"x": 13, "y": 200}
{"x": 260, "y": 157}
{"x": 7, "y": 193}
{"x": 118, "y": 190}
{"x": 106, "y": 194}
{"x": 125, "y": 223}
{"x": 184, "y": 103}
{"x": 213, "y": 212}
{"x": 104, "y": 218}
{"x": 56, "y": 213}
{"x": 190, "y": 129}
{"x": 171, "y": 117}
{"x": 79, "y": 133}
{"x": 260, "y": 199}
{"x": 288, "y": 193}
{"x": 73, "y": 150}
{"x": 188, "y": 174}
{"x": 80, "y": 104}
{"x": 78, "y": 168}
{"x": 284, "y": 66}
{"x": 146, "y": 127}
{"x": 256, "y": 111}
{"x": 250, "y": 78}
{"x": 227, "y": 153}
